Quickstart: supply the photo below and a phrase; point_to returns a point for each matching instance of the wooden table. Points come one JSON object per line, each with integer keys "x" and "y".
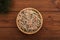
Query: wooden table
{"x": 50, "y": 10}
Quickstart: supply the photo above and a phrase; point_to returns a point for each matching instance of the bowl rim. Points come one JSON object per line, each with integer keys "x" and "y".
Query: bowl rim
{"x": 38, "y": 28}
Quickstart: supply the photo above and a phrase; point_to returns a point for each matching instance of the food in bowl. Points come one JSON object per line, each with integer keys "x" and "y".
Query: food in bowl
{"x": 29, "y": 20}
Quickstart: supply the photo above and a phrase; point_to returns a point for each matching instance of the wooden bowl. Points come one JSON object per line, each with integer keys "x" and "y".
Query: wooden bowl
{"x": 29, "y": 20}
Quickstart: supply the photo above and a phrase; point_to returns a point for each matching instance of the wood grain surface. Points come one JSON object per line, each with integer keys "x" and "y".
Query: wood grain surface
{"x": 50, "y": 10}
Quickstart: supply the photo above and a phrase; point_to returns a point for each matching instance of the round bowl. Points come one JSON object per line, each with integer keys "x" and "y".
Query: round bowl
{"x": 29, "y": 20}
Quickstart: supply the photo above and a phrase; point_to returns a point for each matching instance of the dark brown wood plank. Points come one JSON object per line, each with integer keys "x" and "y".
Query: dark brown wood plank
{"x": 15, "y": 34}
{"x": 51, "y": 20}
{"x": 8, "y": 20}
{"x": 42, "y": 5}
